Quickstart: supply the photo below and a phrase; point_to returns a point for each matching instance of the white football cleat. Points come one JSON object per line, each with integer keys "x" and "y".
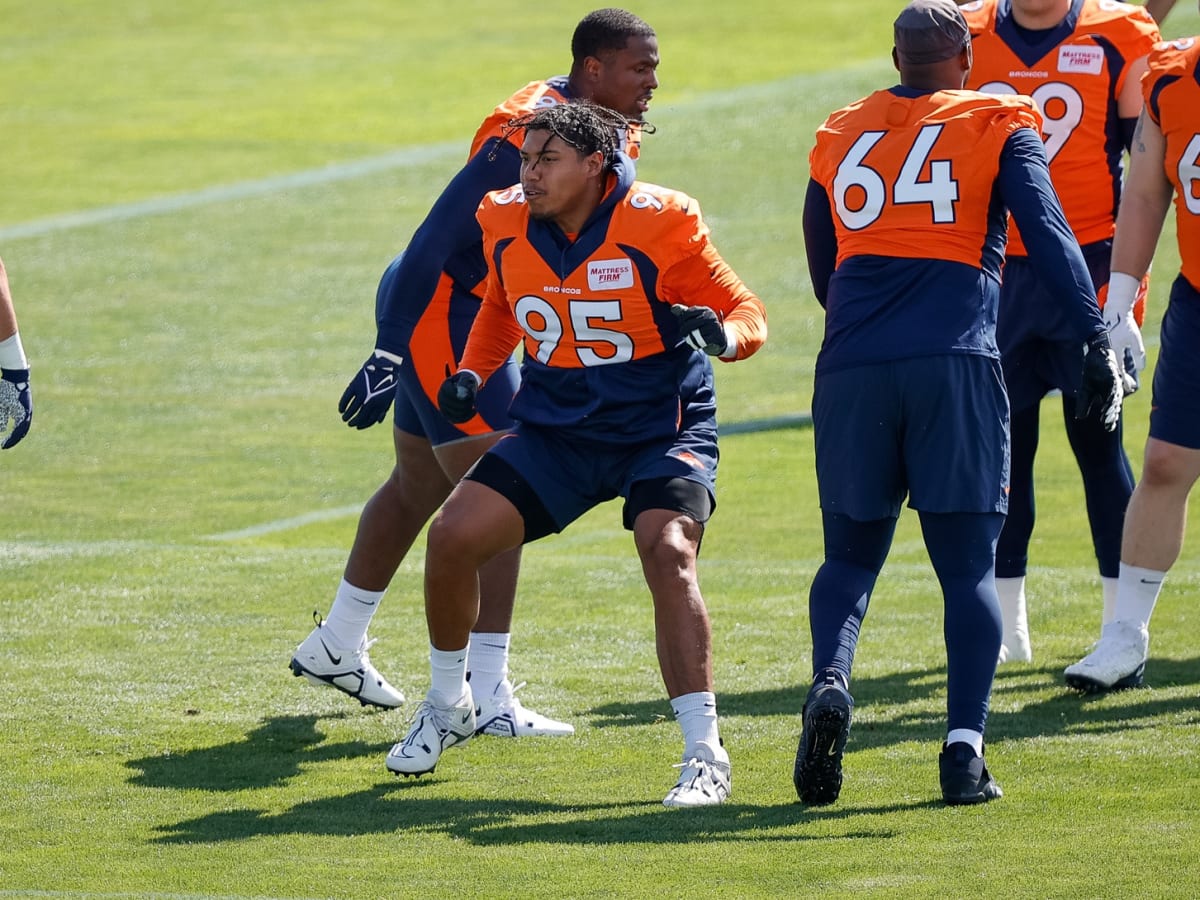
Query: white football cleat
{"x": 434, "y": 730}
{"x": 502, "y": 715}
{"x": 1118, "y": 660}
{"x": 350, "y": 671}
{"x": 705, "y": 779}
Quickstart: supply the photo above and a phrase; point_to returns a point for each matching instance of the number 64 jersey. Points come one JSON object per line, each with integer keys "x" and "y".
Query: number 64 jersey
{"x": 603, "y": 356}
{"x": 905, "y": 224}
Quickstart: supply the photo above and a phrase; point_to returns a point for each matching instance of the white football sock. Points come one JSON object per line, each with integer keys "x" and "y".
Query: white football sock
{"x": 966, "y": 736}
{"x": 1109, "y": 587}
{"x": 489, "y": 661}
{"x": 350, "y": 614}
{"x": 697, "y": 716}
{"x": 1137, "y": 592}
{"x": 1015, "y": 634}
{"x": 449, "y": 669}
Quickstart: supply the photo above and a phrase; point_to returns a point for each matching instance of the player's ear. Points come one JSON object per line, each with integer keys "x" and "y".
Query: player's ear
{"x": 896, "y": 59}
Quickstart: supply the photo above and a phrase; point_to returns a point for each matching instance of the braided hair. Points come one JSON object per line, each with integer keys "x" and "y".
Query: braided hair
{"x": 588, "y": 127}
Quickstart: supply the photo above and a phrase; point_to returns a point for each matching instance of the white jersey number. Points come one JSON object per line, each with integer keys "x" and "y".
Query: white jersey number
{"x": 1189, "y": 175}
{"x": 1052, "y": 97}
{"x": 541, "y": 321}
{"x": 939, "y": 190}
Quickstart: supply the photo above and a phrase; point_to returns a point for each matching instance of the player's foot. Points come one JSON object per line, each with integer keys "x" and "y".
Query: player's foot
{"x": 502, "y": 715}
{"x": 706, "y": 778}
{"x": 1016, "y": 648}
{"x": 827, "y": 713}
{"x": 349, "y": 670}
{"x": 965, "y": 779}
{"x": 1117, "y": 661}
{"x": 434, "y": 730}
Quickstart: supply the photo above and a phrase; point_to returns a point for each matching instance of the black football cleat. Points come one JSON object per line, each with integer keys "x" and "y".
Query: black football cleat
{"x": 965, "y": 778}
{"x": 826, "y": 725}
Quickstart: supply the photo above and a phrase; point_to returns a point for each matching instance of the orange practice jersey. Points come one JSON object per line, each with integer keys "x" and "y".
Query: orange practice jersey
{"x": 913, "y": 177}
{"x": 534, "y": 96}
{"x": 610, "y": 303}
{"x": 1075, "y": 76}
{"x": 1172, "y": 91}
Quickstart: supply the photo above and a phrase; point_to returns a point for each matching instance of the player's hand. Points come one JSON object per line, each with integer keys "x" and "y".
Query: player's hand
{"x": 16, "y": 404}
{"x": 456, "y": 396}
{"x": 1123, "y": 333}
{"x": 368, "y": 397}
{"x": 1102, "y": 387}
{"x": 701, "y": 329}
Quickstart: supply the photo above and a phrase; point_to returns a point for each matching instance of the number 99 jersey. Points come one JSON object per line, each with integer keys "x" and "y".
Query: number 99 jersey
{"x": 1074, "y": 72}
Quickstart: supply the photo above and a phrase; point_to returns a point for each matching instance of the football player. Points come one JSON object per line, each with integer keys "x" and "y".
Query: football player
{"x": 904, "y": 229}
{"x": 1081, "y": 62}
{"x": 16, "y": 401}
{"x": 425, "y": 304}
{"x": 619, "y": 298}
{"x": 1165, "y": 162}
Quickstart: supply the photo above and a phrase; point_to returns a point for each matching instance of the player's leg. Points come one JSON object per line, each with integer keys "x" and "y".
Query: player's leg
{"x": 962, "y": 550}
{"x": 1107, "y": 486}
{"x": 1012, "y": 552}
{"x": 838, "y": 599}
{"x": 1154, "y": 521}
{"x": 856, "y": 417}
{"x": 508, "y": 498}
{"x": 335, "y": 652}
{"x": 668, "y": 516}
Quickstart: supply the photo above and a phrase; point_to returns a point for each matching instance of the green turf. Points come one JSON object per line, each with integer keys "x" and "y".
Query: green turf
{"x": 187, "y": 362}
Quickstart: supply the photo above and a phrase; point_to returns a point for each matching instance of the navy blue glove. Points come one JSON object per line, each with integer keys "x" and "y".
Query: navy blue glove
{"x": 701, "y": 329}
{"x": 16, "y": 403}
{"x": 368, "y": 397}
{"x": 1103, "y": 385}
{"x": 456, "y": 396}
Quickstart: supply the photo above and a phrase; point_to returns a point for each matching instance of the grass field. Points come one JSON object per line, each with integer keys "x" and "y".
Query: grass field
{"x": 199, "y": 201}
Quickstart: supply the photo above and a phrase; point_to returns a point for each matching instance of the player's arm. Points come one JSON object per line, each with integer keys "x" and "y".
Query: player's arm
{"x": 1025, "y": 188}
{"x": 449, "y": 228}
{"x": 820, "y": 239}
{"x": 1144, "y": 203}
{"x": 494, "y": 333}
{"x": 1129, "y": 99}
{"x": 1159, "y": 8}
{"x": 705, "y": 281}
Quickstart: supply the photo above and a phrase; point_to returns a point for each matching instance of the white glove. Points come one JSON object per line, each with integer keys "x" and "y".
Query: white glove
{"x": 1123, "y": 332}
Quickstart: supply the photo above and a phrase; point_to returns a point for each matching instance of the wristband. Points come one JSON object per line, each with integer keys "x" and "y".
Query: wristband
{"x": 12, "y": 354}
{"x": 1122, "y": 291}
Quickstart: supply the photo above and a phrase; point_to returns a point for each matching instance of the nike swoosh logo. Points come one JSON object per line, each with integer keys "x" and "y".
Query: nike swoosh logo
{"x": 336, "y": 660}
{"x": 364, "y": 602}
{"x": 383, "y": 382}
{"x": 1150, "y": 581}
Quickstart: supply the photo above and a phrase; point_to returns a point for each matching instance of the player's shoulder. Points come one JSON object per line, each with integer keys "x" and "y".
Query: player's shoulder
{"x": 1005, "y": 111}
{"x": 660, "y": 201}
{"x": 980, "y": 15}
{"x": 1116, "y": 21}
{"x": 497, "y": 207}
{"x": 533, "y": 96}
{"x": 1177, "y": 57}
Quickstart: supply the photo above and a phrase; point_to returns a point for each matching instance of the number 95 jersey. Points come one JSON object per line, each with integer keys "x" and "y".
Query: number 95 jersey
{"x": 1074, "y": 72}
{"x": 603, "y": 355}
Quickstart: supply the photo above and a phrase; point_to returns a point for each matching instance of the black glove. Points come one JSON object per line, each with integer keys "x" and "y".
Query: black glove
{"x": 366, "y": 400}
{"x": 701, "y": 329}
{"x": 1103, "y": 385}
{"x": 16, "y": 403}
{"x": 456, "y": 396}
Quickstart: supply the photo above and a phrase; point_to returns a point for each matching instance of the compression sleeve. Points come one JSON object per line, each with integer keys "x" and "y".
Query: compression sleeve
{"x": 705, "y": 279}
{"x": 448, "y": 229}
{"x": 820, "y": 239}
{"x": 1127, "y": 127}
{"x": 1025, "y": 188}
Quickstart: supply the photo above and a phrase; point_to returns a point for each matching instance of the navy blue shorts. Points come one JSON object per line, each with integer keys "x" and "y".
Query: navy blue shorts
{"x": 1175, "y": 402}
{"x": 437, "y": 344}
{"x": 570, "y": 476}
{"x": 934, "y": 428}
{"x": 1037, "y": 342}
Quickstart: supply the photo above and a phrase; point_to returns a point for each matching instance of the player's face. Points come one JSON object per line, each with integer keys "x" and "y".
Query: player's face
{"x": 625, "y": 80}
{"x": 1040, "y": 13}
{"x": 560, "y": 183}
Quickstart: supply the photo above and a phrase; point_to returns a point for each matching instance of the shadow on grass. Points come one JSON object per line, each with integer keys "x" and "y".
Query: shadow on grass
{"x": 1066, "y": 712}
{"x": 277, "y": 748}
{"x": 390, "y": 809}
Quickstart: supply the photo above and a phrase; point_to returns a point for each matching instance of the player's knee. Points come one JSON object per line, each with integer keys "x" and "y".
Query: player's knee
{"x": 1169, "y": 465}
